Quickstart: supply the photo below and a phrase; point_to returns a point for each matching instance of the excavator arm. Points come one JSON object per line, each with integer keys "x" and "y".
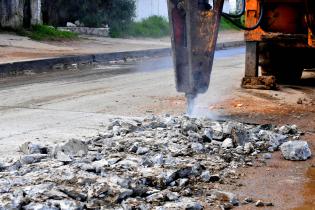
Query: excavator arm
{"x": 194, "y": 32}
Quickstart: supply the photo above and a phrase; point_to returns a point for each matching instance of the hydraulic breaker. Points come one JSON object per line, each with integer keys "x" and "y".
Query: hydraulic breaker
{"x": 194, "y": 31}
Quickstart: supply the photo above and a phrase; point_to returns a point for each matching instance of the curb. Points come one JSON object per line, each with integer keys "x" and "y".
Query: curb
{"x": 17, "y": 68}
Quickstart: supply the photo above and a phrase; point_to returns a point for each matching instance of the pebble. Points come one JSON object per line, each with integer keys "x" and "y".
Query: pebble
{"x": 267, "y": 156}
{"x": 34, "y": 158}
{"x": 205, "y": 176}
{"x": 259, "y": 203}
{"x": 227, "y": 143}
{"x": 142, "y": 150}
{"x": 249, "y": 200}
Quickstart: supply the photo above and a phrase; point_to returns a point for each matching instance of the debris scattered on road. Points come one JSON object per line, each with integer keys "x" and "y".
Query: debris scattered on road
{"x": 296, "y": 150}
{"x": 152, "y": 163}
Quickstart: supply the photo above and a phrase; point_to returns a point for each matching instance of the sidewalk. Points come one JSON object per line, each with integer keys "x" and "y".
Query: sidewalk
{"x": 15, "y": 48}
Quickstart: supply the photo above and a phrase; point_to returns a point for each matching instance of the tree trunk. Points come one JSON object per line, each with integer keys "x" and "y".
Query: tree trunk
{"x": 11, "y": 13}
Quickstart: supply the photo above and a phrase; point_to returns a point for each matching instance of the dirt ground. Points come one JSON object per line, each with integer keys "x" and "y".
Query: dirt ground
{"x": 278, "y": 180}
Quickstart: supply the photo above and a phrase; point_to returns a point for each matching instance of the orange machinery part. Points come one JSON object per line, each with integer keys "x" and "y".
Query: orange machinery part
{"x": 280, "y": 17}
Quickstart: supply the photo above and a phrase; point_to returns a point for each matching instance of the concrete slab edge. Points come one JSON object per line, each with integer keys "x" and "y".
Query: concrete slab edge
{"x": 45, "y": 64}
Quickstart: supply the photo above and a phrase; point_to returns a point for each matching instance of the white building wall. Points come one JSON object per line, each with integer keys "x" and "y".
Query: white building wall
{"x": 147, "y": 8}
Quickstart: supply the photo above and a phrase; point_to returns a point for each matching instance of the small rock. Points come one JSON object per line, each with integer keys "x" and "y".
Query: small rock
{"x": 168, "y": 176}
{"x": 217, "y": 131}
{"x": 58, "y": 66}
{"x": 224, "y": 196}
{"x": 194, "y": 206}
{"x": 297, "y": 137}
{"x": 156, "y": 198}
{"x": 182, "y": 203}
{"x": 239, "y": 135}
{"x": 267, "y": 156}
{"x": 227, "y": 206}
{"x": 2, "y": 167}
{"x": 62, "y": 157}
{"x": 183, "y": 182}
{"x": 77, "y": 23}
{"x": 208, "y": 134}
{"x": 72, "y": 148}
{"x": 158, "y": 159}
{"x": 187, "y": 192}
{"x": 227, "y": 143}
{"x": 239, "y": 150}
{"x": 172, "y": 196}
{"x": 29, "y": 148}
{"x": 134, "y": 147}
{"x": 39, "y": 206}
{"x": 142, "y": 150}
{"x": 69, "y": 24}
{"x": 197, "y": 147}
{"x": 249, "y": 200}
{"x": 155, "y": 125}
{"x": 273, "y": 139}
{"x": 259, "y": 203}
{"x": 296, "y": 150}
{"x": 205, "y": 176}
{"x": 134, "y": 203}
{"x": 98, "y": 190}
{"x": 189, "y": 126}
{"x": 30, "y": 159}
{"x": 268, "y": 204}
{"x": 116, "y": 130}
{"x": 248, "y": 147}
{"x": 11, "y": 201}
{"x": 287, "y": 129}
{"x": 299, "y": 101}
{"x": 68, "y": 204}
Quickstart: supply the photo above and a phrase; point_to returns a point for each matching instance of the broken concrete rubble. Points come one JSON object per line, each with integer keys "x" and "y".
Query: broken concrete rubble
{"x": 30, "y": 148}
{"x": 154, "y": 163}
{"x": 72, "y": 148}
{"x": 296, "y": 150}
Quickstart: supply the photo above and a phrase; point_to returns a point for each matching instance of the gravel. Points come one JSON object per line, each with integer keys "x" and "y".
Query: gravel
{"x": 152, "y": 163}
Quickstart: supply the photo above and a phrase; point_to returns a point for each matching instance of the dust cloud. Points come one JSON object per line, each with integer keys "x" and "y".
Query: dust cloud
{"x": 224, "y": 83}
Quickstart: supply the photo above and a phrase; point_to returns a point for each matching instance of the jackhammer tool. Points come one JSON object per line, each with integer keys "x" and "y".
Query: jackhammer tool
{"x": 194, "y": 31}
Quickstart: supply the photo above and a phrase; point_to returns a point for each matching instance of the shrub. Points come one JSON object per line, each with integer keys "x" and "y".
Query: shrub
{"x": 154, "y": 26}
{"x": 44, "y": 32}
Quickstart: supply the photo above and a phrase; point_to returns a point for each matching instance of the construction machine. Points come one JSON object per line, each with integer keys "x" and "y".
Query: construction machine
{"x": 279, "y": 36}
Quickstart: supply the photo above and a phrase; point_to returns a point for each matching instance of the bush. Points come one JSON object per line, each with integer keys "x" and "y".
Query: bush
{"x": 44, "y": 32}
{"x": 154, "y": 26}
{"x": 92, "y": 13}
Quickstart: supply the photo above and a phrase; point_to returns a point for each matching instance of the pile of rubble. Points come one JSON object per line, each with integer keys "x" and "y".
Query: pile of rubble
{"x": 153, "y": 163}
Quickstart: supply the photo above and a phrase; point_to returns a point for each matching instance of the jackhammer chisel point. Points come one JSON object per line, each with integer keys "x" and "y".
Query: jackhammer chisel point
{"x": 190, "y": 98}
